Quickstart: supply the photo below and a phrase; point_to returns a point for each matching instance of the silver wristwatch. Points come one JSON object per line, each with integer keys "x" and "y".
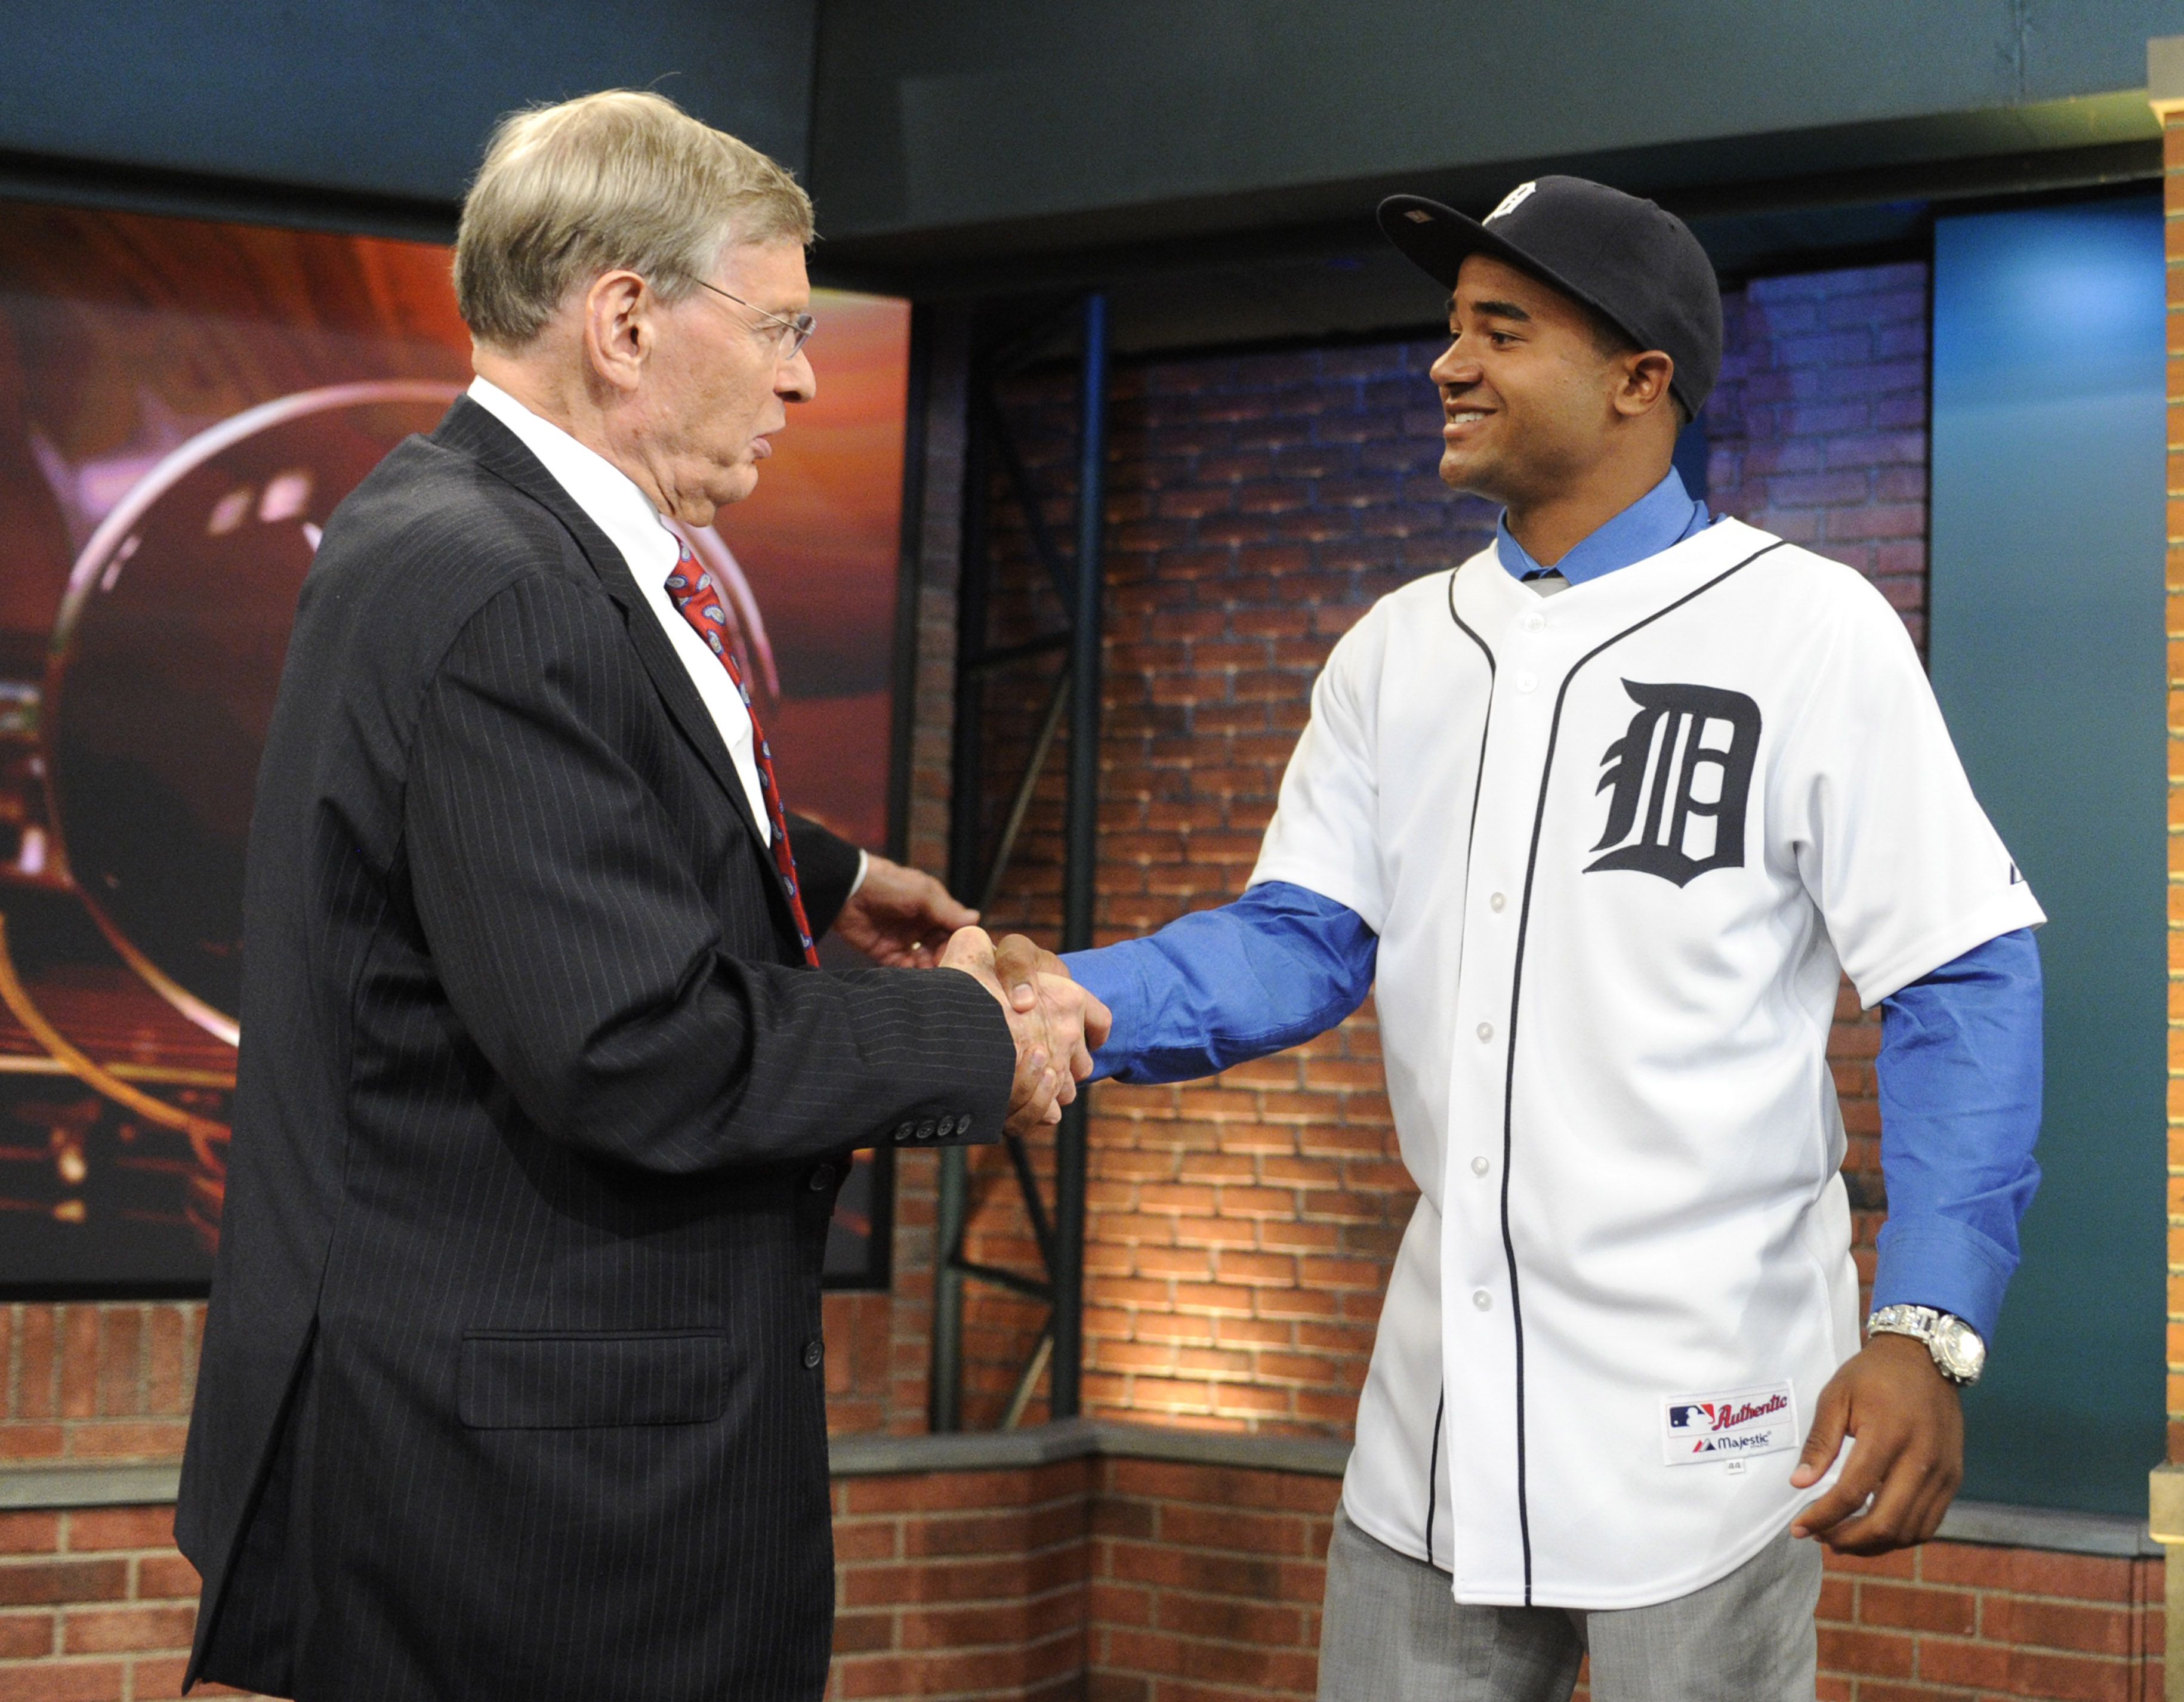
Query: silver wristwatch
{"x": 1958, "y": 1353}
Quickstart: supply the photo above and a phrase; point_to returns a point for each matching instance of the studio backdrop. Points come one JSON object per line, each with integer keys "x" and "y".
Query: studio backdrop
{"x": 182, "y": 404}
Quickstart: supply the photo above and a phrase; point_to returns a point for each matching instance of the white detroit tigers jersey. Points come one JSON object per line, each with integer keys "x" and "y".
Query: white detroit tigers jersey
{"x": 1618, "y": 844}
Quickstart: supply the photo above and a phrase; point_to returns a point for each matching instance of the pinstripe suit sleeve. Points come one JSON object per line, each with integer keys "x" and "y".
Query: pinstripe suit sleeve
{"x": 581, "y": 956}
{"x": 826, "y": 869}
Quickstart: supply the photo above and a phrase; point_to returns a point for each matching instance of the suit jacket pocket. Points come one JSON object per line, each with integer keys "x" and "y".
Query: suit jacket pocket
{"x": 580, "y": 1379}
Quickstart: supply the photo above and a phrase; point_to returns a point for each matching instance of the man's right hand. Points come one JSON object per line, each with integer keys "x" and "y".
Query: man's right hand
{"x": 1054, "y": 1022}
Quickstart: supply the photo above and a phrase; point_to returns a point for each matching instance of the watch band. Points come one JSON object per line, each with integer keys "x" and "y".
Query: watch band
{"x": 1958, "y": 1353}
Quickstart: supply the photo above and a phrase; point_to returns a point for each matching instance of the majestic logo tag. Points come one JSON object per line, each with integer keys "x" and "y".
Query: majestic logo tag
{"x": 1698, "y": 1429}
{"x": 1686, "y": 758}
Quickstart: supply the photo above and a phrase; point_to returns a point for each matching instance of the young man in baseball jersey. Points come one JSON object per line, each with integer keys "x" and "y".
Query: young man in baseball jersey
{"x": 1608, "y": 811}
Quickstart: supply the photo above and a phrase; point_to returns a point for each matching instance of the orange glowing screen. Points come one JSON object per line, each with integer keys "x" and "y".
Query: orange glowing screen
{"x": 820, "y": 540}
{"x": 182, "y": 404}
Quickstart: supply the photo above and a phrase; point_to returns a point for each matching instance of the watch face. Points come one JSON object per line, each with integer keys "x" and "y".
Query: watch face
{"x": 1958, "y": 1348}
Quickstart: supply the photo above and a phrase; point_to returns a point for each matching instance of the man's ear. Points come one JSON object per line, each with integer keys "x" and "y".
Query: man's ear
{"x": 1645, "y": 386}
{"x": 617, "y": 327}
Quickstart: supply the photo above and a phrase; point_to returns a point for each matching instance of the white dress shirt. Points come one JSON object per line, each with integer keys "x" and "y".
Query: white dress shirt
{"x": 613, "y": 504}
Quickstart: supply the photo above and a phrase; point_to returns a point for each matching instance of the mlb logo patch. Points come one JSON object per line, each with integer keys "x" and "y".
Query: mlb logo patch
{"x": 1706, "y": 1429}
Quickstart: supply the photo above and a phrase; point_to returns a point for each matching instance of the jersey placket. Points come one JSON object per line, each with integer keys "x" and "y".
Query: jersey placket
{"x": 1482, "y": 1298}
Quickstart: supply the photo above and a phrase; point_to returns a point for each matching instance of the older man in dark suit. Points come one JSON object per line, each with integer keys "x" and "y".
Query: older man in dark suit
{"x": 512, "y": 1382}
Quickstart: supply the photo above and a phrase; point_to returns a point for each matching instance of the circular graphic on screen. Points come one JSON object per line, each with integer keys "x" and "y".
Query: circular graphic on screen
{"x": 164, "y": 665}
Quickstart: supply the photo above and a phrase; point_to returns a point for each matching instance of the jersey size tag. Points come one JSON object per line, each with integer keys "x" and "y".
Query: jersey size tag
{"x": 1701, "y": 1429}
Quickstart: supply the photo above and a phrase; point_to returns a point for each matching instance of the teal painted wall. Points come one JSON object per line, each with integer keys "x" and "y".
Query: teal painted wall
{"x": 954, "y": 114}
{"x": 387, "y": 97}
{"x": 2047, "y": 655}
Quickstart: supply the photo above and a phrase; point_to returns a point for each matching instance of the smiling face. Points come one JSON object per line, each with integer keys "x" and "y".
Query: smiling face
{"x": 715, "y": 388}
{"x": 1531, "y": 400}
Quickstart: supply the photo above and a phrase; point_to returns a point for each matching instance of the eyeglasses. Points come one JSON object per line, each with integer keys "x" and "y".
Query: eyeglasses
{"x": 794, "y": 333}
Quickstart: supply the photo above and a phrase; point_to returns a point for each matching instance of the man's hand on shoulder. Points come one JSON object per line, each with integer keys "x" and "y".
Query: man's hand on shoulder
{"x": 900, "y": 918}
{"x": 1908, "y": 1422}
{"x": 1055, "y": 1023}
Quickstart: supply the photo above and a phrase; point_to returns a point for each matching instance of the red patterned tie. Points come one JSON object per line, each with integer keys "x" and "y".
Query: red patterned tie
{"x": 693, "y": 591}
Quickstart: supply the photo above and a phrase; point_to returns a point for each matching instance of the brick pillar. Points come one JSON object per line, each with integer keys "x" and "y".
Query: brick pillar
{"x": 2164, "y": 68}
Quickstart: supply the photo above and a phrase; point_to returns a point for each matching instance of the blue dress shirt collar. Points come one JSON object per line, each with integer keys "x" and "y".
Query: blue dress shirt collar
{"x": 1664, "y": 515}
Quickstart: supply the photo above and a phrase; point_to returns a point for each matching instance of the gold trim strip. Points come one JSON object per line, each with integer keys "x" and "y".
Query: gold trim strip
{"x": 203, "y": 1131}
{"x": 156, "y": 1075}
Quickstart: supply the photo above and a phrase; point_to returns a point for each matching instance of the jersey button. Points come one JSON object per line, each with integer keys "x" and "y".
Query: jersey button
{"x": 1482, "y": 1299}
{"x": 1534, "y": 622}
{"x": 1527, "y": 680}
{"x": 1480, "y": 1166}
{"x": 1496, "y": 902}
{"x": 1485, "y": 1030}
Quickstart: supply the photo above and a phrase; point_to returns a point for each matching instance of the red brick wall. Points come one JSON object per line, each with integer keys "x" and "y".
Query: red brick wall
{"x": 1240, "y": 1230}
{"x": 1957, "y": 1620}
{"x": 1133, "y": 1581}
{"x": 95, "y": 1606}
{"x": 1817, "y": 427}
{"x": 961, "y": 1584}
{"x": 97, "y": 1381}
{"x": 1207, "y": 1583}
{"x": 1203, "y": 1583}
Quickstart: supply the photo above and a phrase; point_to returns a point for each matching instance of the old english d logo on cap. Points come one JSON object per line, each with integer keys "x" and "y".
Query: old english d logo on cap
{"x": 1511, "y": 202}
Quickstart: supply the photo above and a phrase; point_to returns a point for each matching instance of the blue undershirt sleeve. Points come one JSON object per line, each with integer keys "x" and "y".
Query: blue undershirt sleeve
{"x": 1221, "y": 986}
{"x": 1960, "y": 1084}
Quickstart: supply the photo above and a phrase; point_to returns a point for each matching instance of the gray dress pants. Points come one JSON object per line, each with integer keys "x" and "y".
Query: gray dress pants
{"x": 1391, "y": 1632}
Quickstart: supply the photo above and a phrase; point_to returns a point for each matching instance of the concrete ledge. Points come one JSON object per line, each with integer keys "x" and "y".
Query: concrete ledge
{"x": 55, "y": 1486}
{"x": 1308, "y": 1456}
{"x": 874, "y": 1455}
{"x": 2054, "y": 1528}
{"x": 1003, "y": 1451}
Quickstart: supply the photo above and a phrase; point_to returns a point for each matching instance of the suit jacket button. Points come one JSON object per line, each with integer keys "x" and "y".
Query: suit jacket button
{"x": 904, "y": 1132}
{"x": 814, "y": 1351}
{"x": 963, "y": 1124}
{"x": 947, "y": 1127}
{"x": 927, "y": 1129}
{"x": 823, "y": 1178}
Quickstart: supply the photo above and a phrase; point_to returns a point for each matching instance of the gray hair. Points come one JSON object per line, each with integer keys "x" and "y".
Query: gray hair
{"x": 620, "y": 179}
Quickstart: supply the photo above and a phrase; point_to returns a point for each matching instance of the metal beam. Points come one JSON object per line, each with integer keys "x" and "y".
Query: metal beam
{"x": 1034, "y": 765}
{"x": 1065, "y": 1400}
{"x": 1076, "y": 689}
{"x": 1020, "y": 486}
{"x": 943, "y": 1398}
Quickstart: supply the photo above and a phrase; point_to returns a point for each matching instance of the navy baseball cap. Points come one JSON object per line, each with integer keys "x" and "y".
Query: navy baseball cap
{"x": 1635, "y": 266}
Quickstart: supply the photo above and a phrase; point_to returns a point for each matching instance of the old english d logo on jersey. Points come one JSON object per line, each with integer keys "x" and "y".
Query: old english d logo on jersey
{"x": 1685, "y": 765}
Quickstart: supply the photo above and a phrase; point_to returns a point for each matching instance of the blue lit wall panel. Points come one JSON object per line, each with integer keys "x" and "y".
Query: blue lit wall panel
{"x": 2046, "y": 645}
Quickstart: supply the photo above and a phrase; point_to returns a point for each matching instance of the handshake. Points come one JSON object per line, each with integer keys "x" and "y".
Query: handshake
{"x": 1055, "y": 1023}
{"x": 896, "y": 917}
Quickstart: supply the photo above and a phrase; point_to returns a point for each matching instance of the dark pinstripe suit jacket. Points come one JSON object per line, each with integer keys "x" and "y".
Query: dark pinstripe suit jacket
{"x": 512, "y": 1382}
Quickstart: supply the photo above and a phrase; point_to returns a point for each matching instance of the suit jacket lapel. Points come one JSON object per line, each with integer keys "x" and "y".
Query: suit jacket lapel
{"x": 471, "y": 431}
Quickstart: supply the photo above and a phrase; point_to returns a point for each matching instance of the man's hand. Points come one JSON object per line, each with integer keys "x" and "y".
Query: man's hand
{"x": 1054, "y": 1022}
{"x": 1035, "y": 979}
{"x": 1909, "y": 1424}
{"x": 900, "y": 918}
